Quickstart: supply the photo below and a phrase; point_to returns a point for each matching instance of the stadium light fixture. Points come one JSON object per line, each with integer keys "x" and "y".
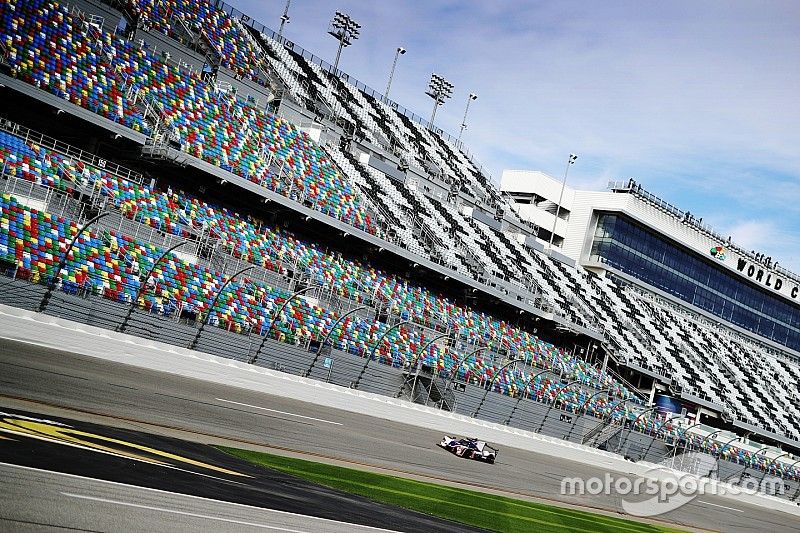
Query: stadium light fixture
{"x": 570, "y": 162}
{"x": 284, "y": 18}
{"x": 345, "y": 30}
{"x": 400, "y": 51}
{"x": 470, "y": 98}
{"x": 440, "y": 90}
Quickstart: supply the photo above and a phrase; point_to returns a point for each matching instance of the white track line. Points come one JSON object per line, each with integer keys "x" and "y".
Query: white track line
{"x": 182, "y": 513}
{"x": 721, "y": 506}
{"x": 281, "y": 412}
{"x": 191, "y": 496}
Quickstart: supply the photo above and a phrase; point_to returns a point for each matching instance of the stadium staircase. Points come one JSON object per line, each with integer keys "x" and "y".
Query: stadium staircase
{"x": 605, "y": 435}
{"x": 422, "y": 385}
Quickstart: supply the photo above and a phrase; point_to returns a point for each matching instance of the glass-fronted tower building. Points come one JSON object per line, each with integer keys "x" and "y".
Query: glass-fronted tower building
{"x": 631, "y": 234}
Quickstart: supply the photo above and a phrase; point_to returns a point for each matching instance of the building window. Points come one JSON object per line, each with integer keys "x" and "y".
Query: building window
{"x": 653, "y": 259}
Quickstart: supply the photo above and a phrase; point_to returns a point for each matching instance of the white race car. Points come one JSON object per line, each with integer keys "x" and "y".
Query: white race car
{"x": 469, "y": 449}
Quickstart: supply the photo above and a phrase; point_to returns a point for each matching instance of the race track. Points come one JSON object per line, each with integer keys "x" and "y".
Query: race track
{"x": 86, "y": 504}
{"x": 48, "y": 381}
{"x": 66, "y": 473}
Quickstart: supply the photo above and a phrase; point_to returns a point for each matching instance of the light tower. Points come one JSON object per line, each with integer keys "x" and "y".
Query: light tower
{"x": 345, "y": 30}
{"x": 400, "y": 51}
{"x": 440, "y": 90}
{"x": 284, "y": 18}
{"x": 470, "y": 98}
{"x": 570, "y": 162}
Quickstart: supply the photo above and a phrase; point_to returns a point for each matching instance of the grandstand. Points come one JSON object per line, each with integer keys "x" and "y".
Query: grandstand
{"x": 248, "y": 187}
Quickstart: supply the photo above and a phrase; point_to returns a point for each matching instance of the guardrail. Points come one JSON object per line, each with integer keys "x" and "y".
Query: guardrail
{"x": 34, "y": 137}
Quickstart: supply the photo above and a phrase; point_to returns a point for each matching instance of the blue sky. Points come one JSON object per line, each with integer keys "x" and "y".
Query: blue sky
{"x": 698, "y": 101}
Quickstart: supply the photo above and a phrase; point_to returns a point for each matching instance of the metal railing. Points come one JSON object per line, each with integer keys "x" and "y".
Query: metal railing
{"x": 632, "y": 187}
{"x": 33, "y": 137}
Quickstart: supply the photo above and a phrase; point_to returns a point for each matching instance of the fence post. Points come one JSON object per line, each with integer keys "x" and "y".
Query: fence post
{"x": 555, "y": 400}
{"x": 633, "y": 427}
{"x": 52, "y": 285}
{"x": 143, "y": 286}
{"x": 655, "y": 436}
{"x": 274, "y": 318}
{"x": 375, "y": 347}
{"x": 583, "y": 408}
{"x": 203, "y": 323}
{"x": 491, "y": 383}
{"x": 325, "y": 339}
{"x": 414, "y": 362}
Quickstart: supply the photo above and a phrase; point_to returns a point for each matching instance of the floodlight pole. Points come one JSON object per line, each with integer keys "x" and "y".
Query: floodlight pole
{"x": 439, "y": 89}
{"x": 143, "y": 285}
{"x": 203, "y": 323}
{"x": 345, "y": 30}
{"x": 400, "y": 51}
{"x": 470, "y": 98}
{"x": 570, "y": 162}
{"x": 63, "y": 261}
{"x": 338, "y": 56}
{"x": 284, "y": 19}
{"x": 436, "y": 104}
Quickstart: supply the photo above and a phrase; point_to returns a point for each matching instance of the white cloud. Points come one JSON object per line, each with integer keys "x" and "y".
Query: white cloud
{"x": 752, "y": 233}
{"x": 771, "y": 238}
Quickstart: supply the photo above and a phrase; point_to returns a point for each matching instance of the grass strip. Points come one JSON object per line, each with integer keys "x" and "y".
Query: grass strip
{"x": 487, "y": 511}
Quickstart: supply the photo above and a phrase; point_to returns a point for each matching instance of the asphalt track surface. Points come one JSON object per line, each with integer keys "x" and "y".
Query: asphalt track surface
{"x": 130, "y": 397}
{"x": 135, "y": 463}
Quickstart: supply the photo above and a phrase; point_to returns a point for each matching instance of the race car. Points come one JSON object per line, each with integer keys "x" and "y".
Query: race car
{"x": 469, "y": 449}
